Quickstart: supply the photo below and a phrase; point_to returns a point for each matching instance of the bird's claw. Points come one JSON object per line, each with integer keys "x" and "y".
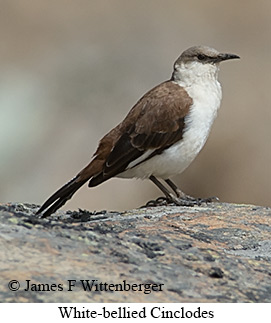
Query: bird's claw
{"x": 187, "y": 201}
{"x": 160, "y": 201}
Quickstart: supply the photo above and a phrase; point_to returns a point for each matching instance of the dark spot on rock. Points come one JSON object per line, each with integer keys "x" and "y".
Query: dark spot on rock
{"x": 151, "y": 249}
{"x": 216, "y": 272}
{"x": 209, "y": 258}
{"x": 177, "y": 291}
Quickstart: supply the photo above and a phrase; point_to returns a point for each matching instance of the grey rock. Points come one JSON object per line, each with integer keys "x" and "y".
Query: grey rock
{"x": 214, "y": 253}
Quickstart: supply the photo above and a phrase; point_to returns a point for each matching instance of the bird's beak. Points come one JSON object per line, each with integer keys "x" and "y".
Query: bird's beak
{"x": 224, "y": 57}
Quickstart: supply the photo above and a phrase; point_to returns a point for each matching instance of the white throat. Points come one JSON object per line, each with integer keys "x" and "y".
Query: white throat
{"x": 202, "y": 85}
{"x": 190, "y": 73}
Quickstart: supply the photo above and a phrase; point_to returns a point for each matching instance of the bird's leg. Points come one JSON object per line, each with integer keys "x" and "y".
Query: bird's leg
{"x": 184, "y": 196}
{"x": 161, "y": 200}
{"x": 177, "y": 191}
{"x": 180, "y": 199}
{"x": 170, "y": 198}
{"x": 161, "y": 186}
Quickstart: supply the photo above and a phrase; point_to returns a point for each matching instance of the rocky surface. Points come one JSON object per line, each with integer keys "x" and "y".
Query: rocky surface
{"x": 214, "y": 253}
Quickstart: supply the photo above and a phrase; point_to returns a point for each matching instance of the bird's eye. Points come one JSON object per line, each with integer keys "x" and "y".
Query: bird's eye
{"x": 200, "y": 57}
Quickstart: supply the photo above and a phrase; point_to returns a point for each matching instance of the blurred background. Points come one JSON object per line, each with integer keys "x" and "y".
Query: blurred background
{"x": 71, "y": 70}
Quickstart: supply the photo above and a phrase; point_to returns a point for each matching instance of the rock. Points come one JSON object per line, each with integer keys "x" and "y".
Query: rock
{"x": 214, "y": 253}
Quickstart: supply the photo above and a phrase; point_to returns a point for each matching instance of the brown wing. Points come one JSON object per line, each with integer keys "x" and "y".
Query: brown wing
{"x": 155, "y": 123}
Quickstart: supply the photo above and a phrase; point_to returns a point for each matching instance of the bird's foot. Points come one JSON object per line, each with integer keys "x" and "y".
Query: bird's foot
{"x": 160, "y": 201}
{"x": 209, "y": 199}
{"x": 180, "y": 201}
{"x": 192, "y": 201}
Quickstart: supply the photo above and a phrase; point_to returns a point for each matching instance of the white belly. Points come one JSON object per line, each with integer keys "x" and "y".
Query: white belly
{"x": 179, "y": 156}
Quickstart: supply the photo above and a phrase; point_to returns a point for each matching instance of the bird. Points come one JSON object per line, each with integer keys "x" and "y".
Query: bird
{"x": 161, "y": 135}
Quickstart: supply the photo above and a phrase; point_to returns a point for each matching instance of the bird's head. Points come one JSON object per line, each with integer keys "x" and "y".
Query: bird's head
{"x": 199, "y": 62}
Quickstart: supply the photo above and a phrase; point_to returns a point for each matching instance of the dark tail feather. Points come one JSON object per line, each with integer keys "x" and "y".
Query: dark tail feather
{"x": 60, "y": 197}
